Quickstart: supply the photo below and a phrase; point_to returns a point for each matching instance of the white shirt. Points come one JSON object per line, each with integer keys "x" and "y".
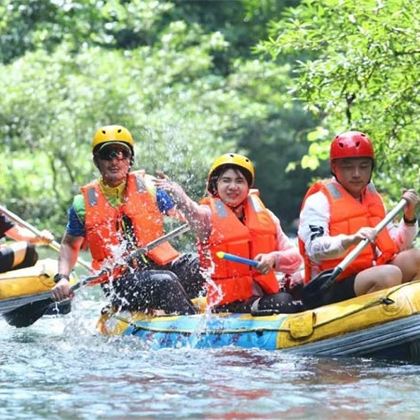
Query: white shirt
{"x": 319, "y": 245}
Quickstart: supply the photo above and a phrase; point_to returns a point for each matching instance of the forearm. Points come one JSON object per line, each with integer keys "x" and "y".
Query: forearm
{"x": 69, "y": 252}
{"x": 189, "y": 208}
{"x": 19, "y": 233}
{"x": 197, "y": 216}
{"x": 404, "y": 235}
{"x": 327, "y": 247}
{"x": 288, "y": 261}
{"x": 287, "y": 258}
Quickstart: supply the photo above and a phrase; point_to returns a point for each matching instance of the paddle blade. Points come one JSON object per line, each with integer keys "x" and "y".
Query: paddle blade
{"x": 26, "y": 315}
{"x": 314, "y": 293}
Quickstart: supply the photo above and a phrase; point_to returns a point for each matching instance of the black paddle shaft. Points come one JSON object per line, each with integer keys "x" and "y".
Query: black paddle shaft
{"x": 25, "y": 310}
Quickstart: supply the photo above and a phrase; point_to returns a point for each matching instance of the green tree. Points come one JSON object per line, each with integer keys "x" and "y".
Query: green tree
{"x": 181, "y": 75}
{"x": 360, "y": 71}
{"x": 180, "y": 112}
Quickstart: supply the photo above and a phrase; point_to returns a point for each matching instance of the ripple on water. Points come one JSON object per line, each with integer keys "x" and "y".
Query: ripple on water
{"x": 60, "y": 368}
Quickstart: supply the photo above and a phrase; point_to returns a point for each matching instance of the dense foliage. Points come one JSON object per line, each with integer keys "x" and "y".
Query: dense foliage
{"x": 187, "y": 79}
{"x": 358, "y": 69}
{"x": 181, "y": 75}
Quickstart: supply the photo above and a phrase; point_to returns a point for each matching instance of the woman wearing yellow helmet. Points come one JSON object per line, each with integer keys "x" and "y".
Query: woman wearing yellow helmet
{"x": 233, "y": 219}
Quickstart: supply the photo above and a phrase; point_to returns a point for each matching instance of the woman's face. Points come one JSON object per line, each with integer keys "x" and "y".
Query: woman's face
{"x": 232, "y": 188}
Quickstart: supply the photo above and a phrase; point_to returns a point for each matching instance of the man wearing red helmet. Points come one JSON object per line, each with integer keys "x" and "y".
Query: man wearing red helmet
{"x": 339, "y": 213}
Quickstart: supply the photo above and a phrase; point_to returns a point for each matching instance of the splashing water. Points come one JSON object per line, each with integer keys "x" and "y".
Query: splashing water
{"x": 59, "y": 368}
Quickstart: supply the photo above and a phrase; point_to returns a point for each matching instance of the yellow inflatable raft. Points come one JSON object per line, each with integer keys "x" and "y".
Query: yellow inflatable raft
{"x": 31, "y": 281}
{"x": 28, "y": 281}
{"x": 384, "y": 324}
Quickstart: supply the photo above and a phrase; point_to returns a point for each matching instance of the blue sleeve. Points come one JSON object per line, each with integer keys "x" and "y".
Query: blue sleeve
{"x": 74, "y": 226}
{"x": 164, "y": 202}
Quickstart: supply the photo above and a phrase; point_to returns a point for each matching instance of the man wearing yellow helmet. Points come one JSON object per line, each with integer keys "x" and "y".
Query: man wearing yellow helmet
{"x": 233, "y": 219}
{"x": 116, "y": 214}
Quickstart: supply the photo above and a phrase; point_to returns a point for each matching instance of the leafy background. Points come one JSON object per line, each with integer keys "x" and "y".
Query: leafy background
{"x": 273, "y": 79}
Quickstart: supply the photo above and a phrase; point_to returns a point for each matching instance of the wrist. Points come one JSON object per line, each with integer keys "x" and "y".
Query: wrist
{"x": 32, "y": 240}
{"x": 58, "y": 277}
{"x": 410, "y": 221}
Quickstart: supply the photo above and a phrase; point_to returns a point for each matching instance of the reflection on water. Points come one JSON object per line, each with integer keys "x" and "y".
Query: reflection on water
{"x": 60, "y": 368}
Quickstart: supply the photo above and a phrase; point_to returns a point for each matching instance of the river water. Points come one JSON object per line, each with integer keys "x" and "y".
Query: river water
{"x": 60, "y": 368}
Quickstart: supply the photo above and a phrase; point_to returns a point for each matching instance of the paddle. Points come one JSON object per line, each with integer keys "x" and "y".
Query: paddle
{"x": 54, "y": 244}
{"x": 24, "y": 311}
{"x": 236, "y": 258}
{"x": 314, "y": 291}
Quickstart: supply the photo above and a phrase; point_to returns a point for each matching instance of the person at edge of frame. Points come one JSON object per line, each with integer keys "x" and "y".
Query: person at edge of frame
{"x": 22, "y": 252}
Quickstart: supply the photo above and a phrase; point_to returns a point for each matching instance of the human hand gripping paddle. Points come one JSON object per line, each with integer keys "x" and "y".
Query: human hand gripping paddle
{"x": 25, "y": 310}
{"x": 236, "y": 258}
{"x": 313, "y": 292}
{"x": 261, "y": 263}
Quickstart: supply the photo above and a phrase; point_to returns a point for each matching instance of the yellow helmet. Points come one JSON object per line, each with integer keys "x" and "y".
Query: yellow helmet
{"x": 230, "y": 159}
{"x": 112, "y": 133}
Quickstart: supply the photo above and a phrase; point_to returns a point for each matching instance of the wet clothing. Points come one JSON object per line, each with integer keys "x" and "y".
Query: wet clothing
{"x": 347, "y": 216}
{"x": 255, "y": 234}
{"x": 132, "y": 224}
{"x": 136, "y": 210}
{"x": 281, "y": 302}
{"x": 168, "y": 287}
{"x": 140, "y": 290}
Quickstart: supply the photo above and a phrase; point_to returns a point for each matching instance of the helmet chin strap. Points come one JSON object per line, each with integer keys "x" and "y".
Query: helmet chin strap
{"x": 95, "y": 161}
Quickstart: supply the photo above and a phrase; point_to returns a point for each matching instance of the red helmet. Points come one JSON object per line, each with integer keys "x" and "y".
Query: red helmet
{"x": 351, "y": 144}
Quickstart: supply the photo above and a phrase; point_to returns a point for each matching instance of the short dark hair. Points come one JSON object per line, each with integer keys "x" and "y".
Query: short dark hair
{"x": 217, "y": 173}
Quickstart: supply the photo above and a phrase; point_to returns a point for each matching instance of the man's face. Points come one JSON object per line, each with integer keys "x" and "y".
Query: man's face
{"x": 353, "y": 173}
{"x": 113, "y": 163}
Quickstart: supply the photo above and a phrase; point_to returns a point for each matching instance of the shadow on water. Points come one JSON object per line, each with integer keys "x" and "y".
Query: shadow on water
{"x": 60, "y": 368}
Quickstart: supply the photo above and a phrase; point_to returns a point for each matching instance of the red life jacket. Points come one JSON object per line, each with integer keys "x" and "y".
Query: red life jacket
{"x": 104, "y": 223}
{"x": 347, "y": 216}
{"x": 228, "y": 234}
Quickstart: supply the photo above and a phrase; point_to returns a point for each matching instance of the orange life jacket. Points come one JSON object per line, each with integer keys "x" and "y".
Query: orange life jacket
{"x": 234, "y": 281}
{"x": 347, "y": 216}
{"x": 104, "y": 223}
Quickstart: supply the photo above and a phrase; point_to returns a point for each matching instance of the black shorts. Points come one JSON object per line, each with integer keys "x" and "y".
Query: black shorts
{"x": 7, "y": 257}
{"x": 280, "y": 302}
{"x": 340, "y": 290}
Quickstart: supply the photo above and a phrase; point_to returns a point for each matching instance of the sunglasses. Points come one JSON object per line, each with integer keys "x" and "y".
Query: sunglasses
{"x": 110, "y": 153}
